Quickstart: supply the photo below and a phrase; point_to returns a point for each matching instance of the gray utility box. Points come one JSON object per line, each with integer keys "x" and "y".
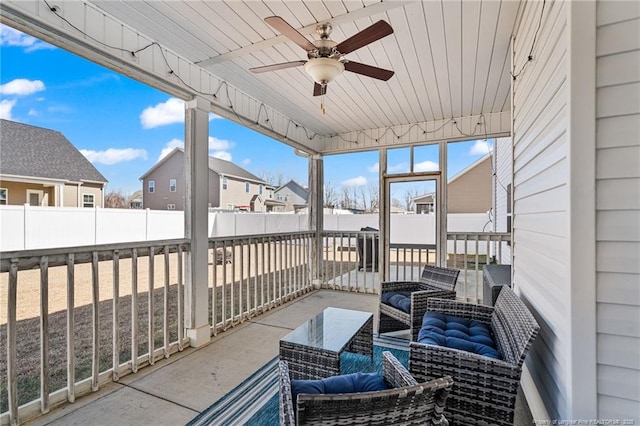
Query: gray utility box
{"x": 493, "y": 278}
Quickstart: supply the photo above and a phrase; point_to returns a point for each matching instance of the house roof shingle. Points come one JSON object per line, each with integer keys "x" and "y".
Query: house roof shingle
{"x": 32, "y": 151}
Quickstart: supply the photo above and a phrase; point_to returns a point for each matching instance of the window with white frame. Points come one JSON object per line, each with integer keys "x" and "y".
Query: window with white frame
{"x": 152, "y": 186}
{"x": 4, "y": 196}
{"x": 171, "y": 206}
{"x": 88, "y": 200}
{"x": 246, "y": 187}
{"x": 225, "y": 184}
{"x": 172, "y": 185}
{"x": 260, "y": 189}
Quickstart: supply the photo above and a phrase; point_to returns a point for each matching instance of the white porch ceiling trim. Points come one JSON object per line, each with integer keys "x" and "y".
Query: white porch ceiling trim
{"x": 481, "y": 126}
{"x": 109, "y": 42}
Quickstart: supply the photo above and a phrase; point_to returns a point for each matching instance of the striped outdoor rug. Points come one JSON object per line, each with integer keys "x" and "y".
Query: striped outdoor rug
{"x": 239, "y": 406}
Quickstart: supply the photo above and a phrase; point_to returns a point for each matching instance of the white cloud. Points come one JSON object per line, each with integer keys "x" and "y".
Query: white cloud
{"x": 374, "y": 168}
{"x": 170, "y": 146}
{"x": 6, "y": 105}
{"x": 246, "y": 161}
{"x": 114, "y": 155}
{"x": 21, "y": 86}
{"x": 356, "y": 181}
{"x": 481, "y": 147}
{"x": 169, "y": 112}
{"x": 426, "y": 166}
{"x": 33, "y": 113}
{"x": 216, "y": 144}
{"x": 400, "y": 167}
{"x": 223, "y": 155}
{"x": 11, "y": 37}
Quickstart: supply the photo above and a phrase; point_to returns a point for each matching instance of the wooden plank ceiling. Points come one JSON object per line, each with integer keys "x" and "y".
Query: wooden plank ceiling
{"x": 451, "y": 58}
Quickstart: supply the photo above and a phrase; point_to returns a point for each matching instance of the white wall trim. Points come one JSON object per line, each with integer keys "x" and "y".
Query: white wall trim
{"x": 582, "y": 215}
{"x": 534, "y": 400}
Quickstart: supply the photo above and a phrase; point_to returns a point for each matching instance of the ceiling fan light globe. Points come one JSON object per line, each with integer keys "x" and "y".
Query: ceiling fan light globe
{"x": 324, "y": 70}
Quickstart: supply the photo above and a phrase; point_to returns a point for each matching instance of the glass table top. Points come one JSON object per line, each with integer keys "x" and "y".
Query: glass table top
{"x": 331, "y": 329}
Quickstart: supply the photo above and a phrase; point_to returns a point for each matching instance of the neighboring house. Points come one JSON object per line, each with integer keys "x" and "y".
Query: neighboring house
{"x": 293, "y": 195}
{"x": 41, "y": 167}
{"x": 135, "y": 200}
{"x": 230, "y": 186}
{"x": 467, "y": 192}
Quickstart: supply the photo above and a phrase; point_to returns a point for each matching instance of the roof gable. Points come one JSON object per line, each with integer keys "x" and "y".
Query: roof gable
{"x": 32, "y": 151}
{"x": 222, "y": 167}
{"x": 296, "y": 188}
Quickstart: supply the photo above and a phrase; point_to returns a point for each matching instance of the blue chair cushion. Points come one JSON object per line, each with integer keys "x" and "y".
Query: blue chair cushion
{"x": 458, "y": 333}
{"x": 348, "y": 383}
{"x": 398, "y": 299}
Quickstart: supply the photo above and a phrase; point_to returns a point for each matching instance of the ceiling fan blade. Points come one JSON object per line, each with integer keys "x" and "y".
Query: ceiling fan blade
{"x": 288, "y": 31}
{"x": 368, "y": 70}
{"x": 319, "y": 89}
{"x": 274, "y": 67}
{"x": 370, "y": 34}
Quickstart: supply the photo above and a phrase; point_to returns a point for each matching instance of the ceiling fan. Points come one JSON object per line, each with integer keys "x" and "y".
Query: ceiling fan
{"x": 325, "y": 56}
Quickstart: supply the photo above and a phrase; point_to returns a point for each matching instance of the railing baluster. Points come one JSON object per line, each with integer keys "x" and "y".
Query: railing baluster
{"x": 180, "y": 298}
{"x": 44, "y": 334}
{"x": 214, "y": 288}
{"x": 71, "y": 357}
{"x": 95, "y": 362}
{"x": 223, "y": 316}
{"x": 241, "y": 310}
{"x": 263, "y": 271}
{"x": 12, "y": 351}
{"x": 233, "y": 283}
{"x": 150, "y": 306}
{"x": 255, "y": 272}
{"x": 134, "y": 310}
{"x": 116, "y": 315}
{"x": 166, "y": 302}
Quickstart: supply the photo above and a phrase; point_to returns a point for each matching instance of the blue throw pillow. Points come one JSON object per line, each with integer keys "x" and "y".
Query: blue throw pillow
{"x": 458, "y": 333}
{"x": 348, "y": 383}
{"x": 398, "y": 299}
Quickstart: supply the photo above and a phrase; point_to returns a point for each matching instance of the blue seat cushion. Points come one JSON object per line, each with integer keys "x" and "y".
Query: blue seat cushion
{"x": 348, "y": 383}
{"x": 398, "y": 299}
{"x": 458, "y": 333}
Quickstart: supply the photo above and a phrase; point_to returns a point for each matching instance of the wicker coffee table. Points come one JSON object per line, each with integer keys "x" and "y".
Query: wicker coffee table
{"x": 313, "y": 349}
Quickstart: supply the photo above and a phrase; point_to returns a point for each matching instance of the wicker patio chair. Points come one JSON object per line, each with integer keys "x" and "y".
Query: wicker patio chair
{"x": 434, "y": 282}
{"x": 485, "y": 389}
{"x": 406, "y": 402}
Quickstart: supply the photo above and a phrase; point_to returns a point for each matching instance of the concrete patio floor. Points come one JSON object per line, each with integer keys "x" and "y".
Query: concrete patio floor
{"x": 174, "y": 391}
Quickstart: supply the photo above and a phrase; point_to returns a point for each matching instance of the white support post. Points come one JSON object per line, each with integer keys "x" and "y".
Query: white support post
{"x": 196, "y": 217}
{"x": 384, "y": 221}
{"x": 316, "y": 213}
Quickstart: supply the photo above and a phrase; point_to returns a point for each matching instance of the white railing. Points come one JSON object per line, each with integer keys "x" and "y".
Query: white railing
{"x": 469, "y": 252}
{"x": 254, "y": 273}
{"x": 79, "y": 317}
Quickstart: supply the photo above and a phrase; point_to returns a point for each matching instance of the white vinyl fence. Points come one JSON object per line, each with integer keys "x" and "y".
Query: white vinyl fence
{"x": 27, "y": 227}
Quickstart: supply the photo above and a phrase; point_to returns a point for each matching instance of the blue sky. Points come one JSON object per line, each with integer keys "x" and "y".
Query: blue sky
{"x": 123, "y": 127}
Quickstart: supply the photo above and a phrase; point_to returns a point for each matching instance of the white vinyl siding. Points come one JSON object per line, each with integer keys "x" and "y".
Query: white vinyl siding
{"x": 618, "y": 209}
{"x": 540, "y": 182}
